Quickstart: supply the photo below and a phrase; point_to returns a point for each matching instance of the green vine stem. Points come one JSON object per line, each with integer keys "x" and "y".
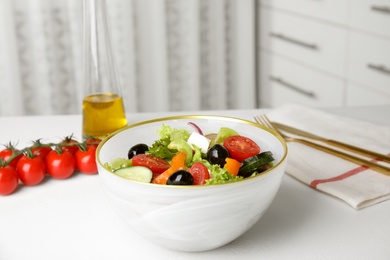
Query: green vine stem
{"x": 38, "y": 144}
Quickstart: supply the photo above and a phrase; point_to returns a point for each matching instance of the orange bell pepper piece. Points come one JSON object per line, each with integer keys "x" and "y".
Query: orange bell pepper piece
{"x": 232, "y": 166}
{"x": 177, "y": 163}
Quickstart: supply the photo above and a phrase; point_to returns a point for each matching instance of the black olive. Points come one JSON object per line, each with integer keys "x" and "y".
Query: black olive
{"x": 180, "y": 177}
{"x": 137, "y": 149}
{"x": 217, "y": 155}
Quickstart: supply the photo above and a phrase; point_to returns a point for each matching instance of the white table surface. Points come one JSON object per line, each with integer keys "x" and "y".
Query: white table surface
{"x": 71, "y": 219}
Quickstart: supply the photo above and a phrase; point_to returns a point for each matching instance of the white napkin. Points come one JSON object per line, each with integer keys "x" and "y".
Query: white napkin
{"x": 356, "y": 185}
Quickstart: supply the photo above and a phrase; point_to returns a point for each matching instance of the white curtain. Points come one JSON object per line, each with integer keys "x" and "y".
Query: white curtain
{"x": 171, "y": 55}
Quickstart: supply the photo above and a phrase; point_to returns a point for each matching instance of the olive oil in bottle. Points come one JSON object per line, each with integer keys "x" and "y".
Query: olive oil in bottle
{"x": 103, "y": 109}
{"x": 102, "y": 115}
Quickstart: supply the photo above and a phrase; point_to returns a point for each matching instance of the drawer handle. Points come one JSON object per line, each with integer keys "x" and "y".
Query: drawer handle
{"x": 380, "y": 68}
{"x": 383, "y": 9}
{"x": 292, "y": 40}
{"x": 291, "y": 86}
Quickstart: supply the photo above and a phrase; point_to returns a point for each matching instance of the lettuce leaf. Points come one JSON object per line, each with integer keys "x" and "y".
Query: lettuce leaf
{"x": 167, "y": 131}
{"x": 198, "y": 156}
{"x": 167, "y": 134}
{"x": 220, "y": 175}
{"x": 160, "y": 149}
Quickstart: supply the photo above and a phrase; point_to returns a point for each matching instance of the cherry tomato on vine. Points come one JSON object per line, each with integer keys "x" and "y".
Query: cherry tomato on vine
{"x": 7, "y": 152}
{"x": 86, "y": 160}
{"x": 60, "y": 165}
{"x": 70, "y": 148}
{"x": 40, "y": 149}
{"x": 241, "y": 147}
{"x": 31, "y": 171}
{"x": 8, "y": 180}
{"x": 93, "y": 141}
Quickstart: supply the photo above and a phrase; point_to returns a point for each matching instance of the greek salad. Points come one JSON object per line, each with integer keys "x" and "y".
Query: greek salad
{"x": 181, "y": 157}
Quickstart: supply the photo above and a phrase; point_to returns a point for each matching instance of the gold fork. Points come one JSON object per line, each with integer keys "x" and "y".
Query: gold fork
{"x": 263, "y": 120}
{"x": 344, "y": 146}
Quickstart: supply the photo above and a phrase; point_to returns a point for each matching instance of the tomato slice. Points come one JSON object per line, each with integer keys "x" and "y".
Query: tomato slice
{"x": 200, "y": 173}
{"x": 154, "y": 163}
{"x": 241, "y": 147}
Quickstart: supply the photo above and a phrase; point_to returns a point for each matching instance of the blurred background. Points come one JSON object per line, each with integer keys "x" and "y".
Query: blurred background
{"x": 176, "y": 55}
{"x": 171, "y": 55}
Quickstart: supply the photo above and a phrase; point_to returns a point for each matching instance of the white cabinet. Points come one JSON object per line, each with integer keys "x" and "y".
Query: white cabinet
{"x": 324, "y": 53}
{"x": 288, "y": 81}
{"x": 371, "y": 16}
{"x": 369, "y": 61}
{"x": 329, "y": 10}
{"x": 318, "y": 44}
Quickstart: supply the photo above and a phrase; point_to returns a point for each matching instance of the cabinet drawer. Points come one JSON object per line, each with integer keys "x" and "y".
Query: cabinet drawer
{"x": 362, "y": 96}
{"x": 369, "y": 61}
{"x": 376, "y": 15}
{"x": 330, "y": 10}
{"x": 284, "y": 81}
{"x": 316, "y": 44}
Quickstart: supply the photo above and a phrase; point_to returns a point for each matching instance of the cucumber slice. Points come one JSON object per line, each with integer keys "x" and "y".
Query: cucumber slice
{"x": 117, "y": 163}
{"x": 136, "y": 173}
{"x": 251, "y": 164}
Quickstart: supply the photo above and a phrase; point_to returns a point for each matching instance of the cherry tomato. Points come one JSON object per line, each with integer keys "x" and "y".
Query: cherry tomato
{"x": 8, "y": 180}
{"x": 154, "y": 163}
{"x": 71, "y": 148}
{"x": 41, "y": 151}
{"x": 86, "y": 160}
{"x": 93, "y": 141}
{"x": 241, "y": 147}
{"x": 31, "y": 171}
{"x": 200, "y": 173}
{"x": 8, "y": 152}
{"x": 60, "y": 165}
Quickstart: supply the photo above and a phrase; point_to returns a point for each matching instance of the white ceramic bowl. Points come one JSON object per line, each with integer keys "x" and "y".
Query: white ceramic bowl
{"x": 191, "y": 218}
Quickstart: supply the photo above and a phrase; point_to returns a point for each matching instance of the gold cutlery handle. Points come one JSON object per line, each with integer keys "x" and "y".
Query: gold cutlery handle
{"x": 376, "y": 167}
{"x": 359, "y": 150}
{"x": 338, "y": 144}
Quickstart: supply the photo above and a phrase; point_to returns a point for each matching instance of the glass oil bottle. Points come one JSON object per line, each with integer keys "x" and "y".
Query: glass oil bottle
{"x": 103, "y": 110}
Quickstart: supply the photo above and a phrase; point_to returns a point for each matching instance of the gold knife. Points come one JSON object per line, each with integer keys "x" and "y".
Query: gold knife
{"x": 335, "y": 143}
